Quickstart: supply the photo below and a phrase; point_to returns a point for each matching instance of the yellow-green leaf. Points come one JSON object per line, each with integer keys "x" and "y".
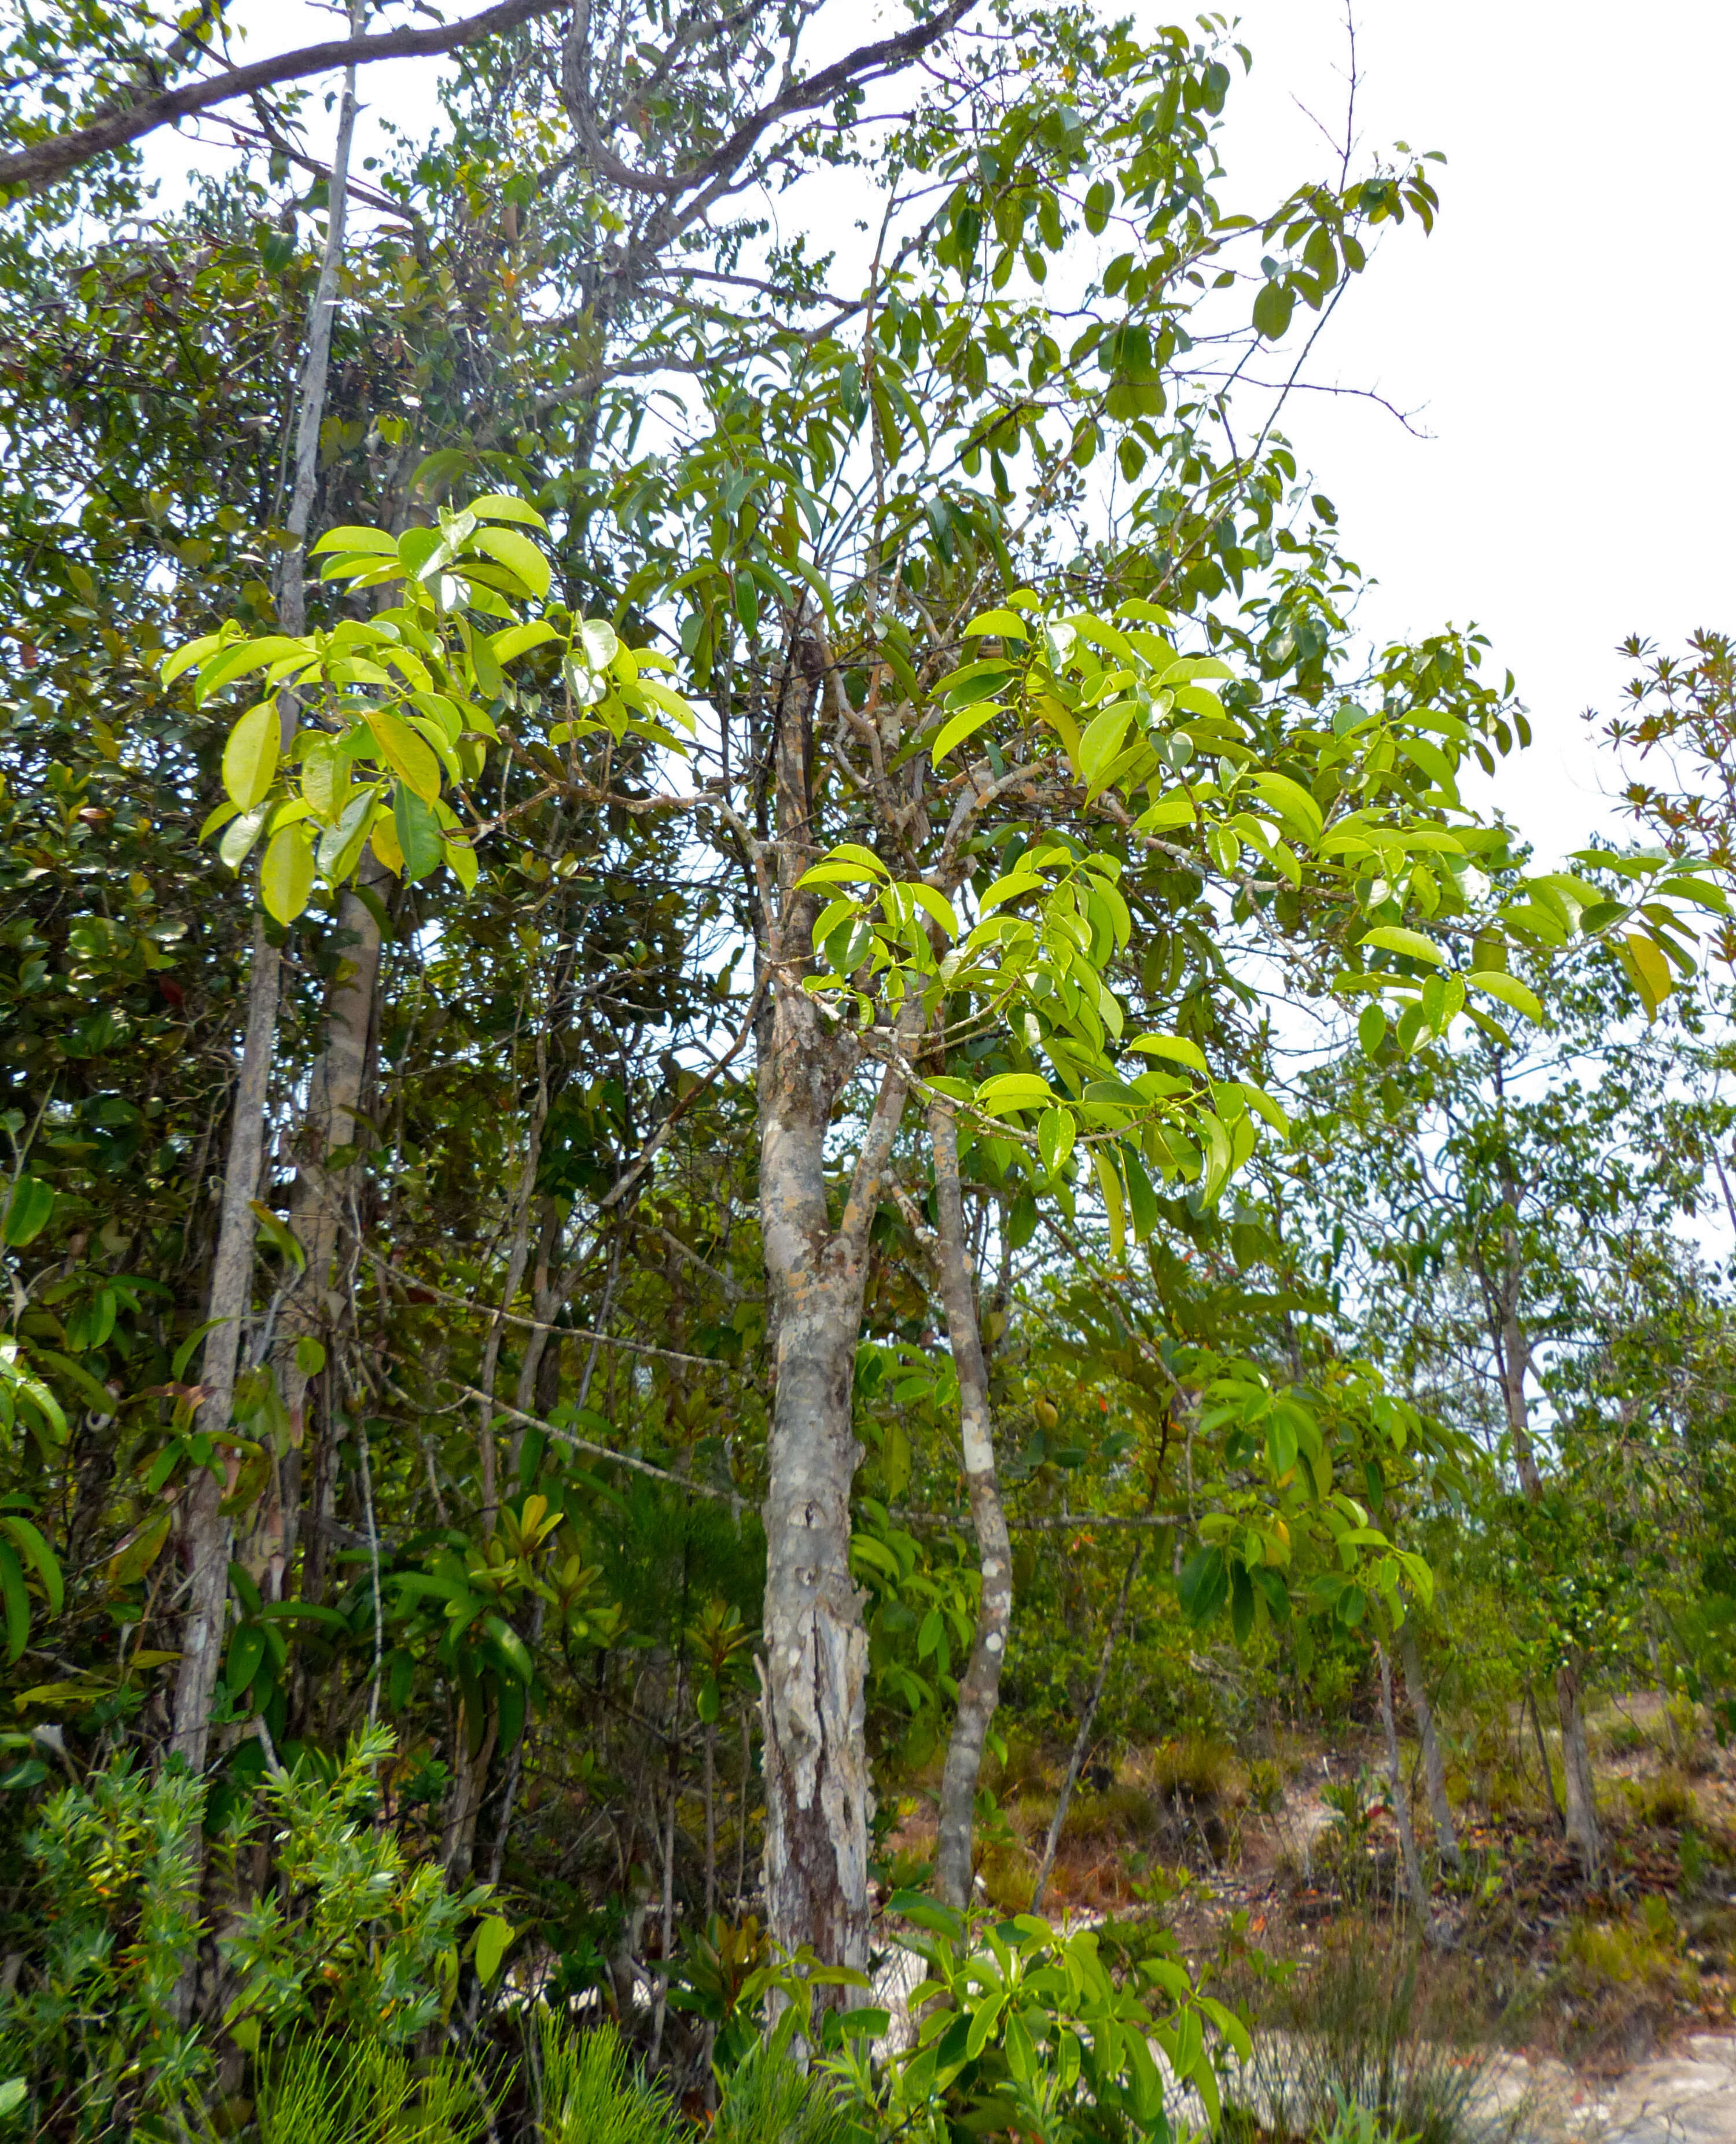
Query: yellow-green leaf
{"x": 1293, "y": 803}
{"x": 501, "y": 506}
{"x": 250, "y": 758}
{"x": 1175, "y": 1046}
{"x": 406, "y": 754}
{"x": 1392, "y": 938}
{"x": 1509, "y": 990}
{"x": 1646, "y": 968}
{"x": 492, "y": 1939}
{"x": 287, "y": 875}
{"x": 518, "y": 554}
{"x": 1007, "y": 623}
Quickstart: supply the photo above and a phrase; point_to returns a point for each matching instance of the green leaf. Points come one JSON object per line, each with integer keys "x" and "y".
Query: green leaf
{"x": 1509, "y": 990}
{"x": 1393, "y": 938}
{"x": 286, "y": 873}
{"x": 965, "y": 724}
{"x": 240, "y": 836}
{"x": 419, "y": 835}
{"x": 250, "y": 757}
{"x": 278, "y": 1233}
{"x": 598, "y": 637}
{"x": 1293, "y": 803}
{"x": 494, "y": 1939}
{"x": 1273, "y": 305}
{"x": 1056, "y": 1131}
{"x": 1372, "y": 1027}
{"x": 12, "y": 2094}
{"x": 27, "y": 1212}
{"x": 511, "y": 1647}
{"x": 1176, "y": 1047}
{"x": 17, "y": 1603}
{"x": 518, "y": 554}
{"x": 1013, "y": 1090}
{"x": 246, "y": 1649}
{"x": 30, "y": 1545}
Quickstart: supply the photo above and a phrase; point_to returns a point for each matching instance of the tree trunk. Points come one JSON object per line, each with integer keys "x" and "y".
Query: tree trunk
{"x": 463, "y": 1804}
{"x": 314, "y": 1308}
{"x": 208, "y": 1533}
{"x": 818, "y": 1796}
{"x": 206, "y": 1527}
{"x": 1088, "y": 1721}
{"x": 1446, "y": 1837}
{"x": 1515, "y": 1353}
{"x": 979, "y": 1687}
{"x": 1401, "y": 1799}
{"x": 1580, "y": 1820}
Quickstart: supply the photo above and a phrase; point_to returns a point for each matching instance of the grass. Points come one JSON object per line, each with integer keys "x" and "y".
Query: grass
{"x": 592, "y": 2094}
{"x": 768, "y": 2101}
{"x": 322, "y": 2091}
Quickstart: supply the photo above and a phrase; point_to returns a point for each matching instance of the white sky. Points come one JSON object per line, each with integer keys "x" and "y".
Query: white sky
{"x": 1561, "y": 339}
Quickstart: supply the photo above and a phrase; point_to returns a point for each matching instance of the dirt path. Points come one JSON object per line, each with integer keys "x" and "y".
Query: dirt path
{"x": 1688, "y": 2097}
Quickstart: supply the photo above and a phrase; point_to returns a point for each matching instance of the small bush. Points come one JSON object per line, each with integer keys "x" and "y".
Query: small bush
{"x": 1624, "y": 1981}
{"x": 1194, "y": 1769}
{"x": 1117, "y": 1812}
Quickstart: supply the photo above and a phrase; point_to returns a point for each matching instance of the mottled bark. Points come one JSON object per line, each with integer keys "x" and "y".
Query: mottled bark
{"x": 818, "y": 1796}
{"x": 1579, "y": 1788}
{"x": 1434, "y": 1773}
{"x": 980, "y": 1686}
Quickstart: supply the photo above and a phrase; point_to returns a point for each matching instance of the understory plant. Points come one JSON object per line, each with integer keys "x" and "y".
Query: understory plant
{"x": 94, "y": 2037}
{"x": 322, "y": 2090}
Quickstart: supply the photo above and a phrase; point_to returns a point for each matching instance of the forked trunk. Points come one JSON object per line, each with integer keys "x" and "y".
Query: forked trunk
{"x": 979, "y": 1687}
{"x": 818, "y": 1795}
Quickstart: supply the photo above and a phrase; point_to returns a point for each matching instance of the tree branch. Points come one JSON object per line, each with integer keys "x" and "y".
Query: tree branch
{"x": 45, "y": 163}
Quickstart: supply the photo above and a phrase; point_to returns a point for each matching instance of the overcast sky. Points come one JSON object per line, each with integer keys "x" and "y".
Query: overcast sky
{"x": 1561, "y": 341}
{"x": 1563, "y": 337}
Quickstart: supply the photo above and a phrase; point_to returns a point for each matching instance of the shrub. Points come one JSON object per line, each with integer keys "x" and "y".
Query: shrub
{"x": 96, "y": 2035}
{"x": 354, "y": 1939}
{"x": 1194, "y": 1769}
